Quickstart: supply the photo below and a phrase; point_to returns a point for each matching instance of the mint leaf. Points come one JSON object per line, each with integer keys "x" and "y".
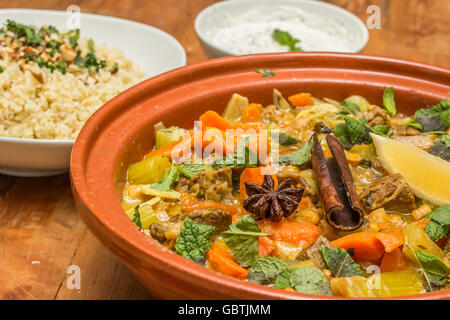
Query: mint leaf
{"x": 446, "y": 140}
{"x": 298, "y": 157}
{"x": 389, "y": 101}
{"x": 243, "y": 157}
{"x": 435, "y": 270}
{"x": 194, "y": 241}
{"x": 286, "y": 39}
{"x": 357, "y": 131}
{"x": 439, "y": 225}
{"x": 168, "y": 179}
{"x": 283, "y": 138}
{"x": 242, "y": 239}
{"x": 436, "y": 109}
{"x": 265, "y": 269}
{"x": 444, "y": 116}
{"x": 308, "y": 280}
{"x": 350, "y": 107}
{"x": 340, "y": 262}
{"x": 380, "y": 129}
{"x": 190, "y": 170}
{"x": 137, "y": 217}
{"x": 434, "y": 118}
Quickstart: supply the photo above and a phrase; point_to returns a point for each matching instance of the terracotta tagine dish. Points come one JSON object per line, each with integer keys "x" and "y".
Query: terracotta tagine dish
{"x": 122, "y": 132}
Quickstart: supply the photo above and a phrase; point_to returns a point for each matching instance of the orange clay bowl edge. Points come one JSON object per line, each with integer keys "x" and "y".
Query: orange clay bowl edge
{"x": 121, "y": 132}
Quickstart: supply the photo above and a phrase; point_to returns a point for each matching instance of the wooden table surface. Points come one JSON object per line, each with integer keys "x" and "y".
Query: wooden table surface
{"x": 40, "y": 232}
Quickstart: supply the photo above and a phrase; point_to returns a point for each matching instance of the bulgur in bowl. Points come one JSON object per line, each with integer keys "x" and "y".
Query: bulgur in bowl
{"x": 54, "y": 76}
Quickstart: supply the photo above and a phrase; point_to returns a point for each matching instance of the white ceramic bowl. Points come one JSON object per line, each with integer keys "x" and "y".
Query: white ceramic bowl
{"x": 213, "y": 17}
{"x": 152, "y": 48}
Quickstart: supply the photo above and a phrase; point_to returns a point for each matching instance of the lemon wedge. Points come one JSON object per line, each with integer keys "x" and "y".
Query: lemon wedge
{"x": 427, "y": 175}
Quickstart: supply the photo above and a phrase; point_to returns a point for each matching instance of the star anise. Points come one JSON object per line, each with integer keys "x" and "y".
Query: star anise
{"x": 266, "y": 202}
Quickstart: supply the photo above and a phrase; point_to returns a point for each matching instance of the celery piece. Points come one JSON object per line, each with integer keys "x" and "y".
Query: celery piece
{"x": 167, "y": 136}
{"x": 302, "y": 264}
{"x": 234, "y": 108}
{"x": 158, "y": 193}
{"x": 417, "y": 239}
{"x": 149, "y": 170}
{"x": 386, "y": 284}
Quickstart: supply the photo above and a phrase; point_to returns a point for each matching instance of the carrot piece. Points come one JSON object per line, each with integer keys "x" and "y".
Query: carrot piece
{"x": 394, "y": 261}
{"x": 222, "y": 261}
{"x": 391, "y": 238}
{"x": 266, "y": 246}
{"x": 190, "y": 203}
{"x": 365, "y": 244}
{"x": 296, "y": 232}
{"x": 254, "y": 175}
{"x": 422, "y": 223}
{"x": 252, "y": 113}
{"x": 213, "y": 119}
{"x": 301, "y": 100}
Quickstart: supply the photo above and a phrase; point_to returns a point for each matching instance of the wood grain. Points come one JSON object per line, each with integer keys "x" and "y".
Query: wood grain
{"x": 40, "y": 232}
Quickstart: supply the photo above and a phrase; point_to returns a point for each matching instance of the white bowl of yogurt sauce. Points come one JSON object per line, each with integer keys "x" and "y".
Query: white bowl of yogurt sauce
{"x": 238, "y": 27}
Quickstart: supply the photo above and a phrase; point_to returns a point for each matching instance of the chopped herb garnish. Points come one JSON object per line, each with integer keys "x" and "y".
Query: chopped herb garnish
{"x": 265, "y": 72}
{"x": 73, "y": 40}
{"x": 284, "y": 38}
{"x": 114, "y": 68}
{"x": 137, "y": 217}
{"x": 2, "y": 69}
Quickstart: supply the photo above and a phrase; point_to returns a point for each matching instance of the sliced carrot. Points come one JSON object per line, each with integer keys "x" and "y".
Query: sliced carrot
{"x": 266, "y": 246}
{"x": 213, "y": 119}
{"x": 391, "y": 238}
{"x": 296, "y": 232}
{"x": 252, "y": 113}
{"x": 190, "y": 203}
{"x": 256, "y": 176}
{"x": 365, "y": 245}
{"x": 394, "y": 261}
{"x": 222, "y": 261}
{"x": 301, "y": 100}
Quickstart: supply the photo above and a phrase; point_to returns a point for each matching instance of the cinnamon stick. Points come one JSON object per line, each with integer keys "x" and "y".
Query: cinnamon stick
{"x": 341, "y": 202}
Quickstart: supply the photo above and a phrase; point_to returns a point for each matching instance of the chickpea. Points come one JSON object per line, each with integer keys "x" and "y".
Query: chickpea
{"x": 378, "y": 219}
{"x": 396, "y": 220}
{"x": 420, "y": 212}
{"x": 308, "y": 215}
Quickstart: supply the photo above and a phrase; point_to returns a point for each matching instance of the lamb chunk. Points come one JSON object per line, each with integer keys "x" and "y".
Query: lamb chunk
{"x": 391, "y": 193}
{"x": 212, "y": 217}
{"x": 404, "y": 131}
{"x": 157, "y": 232}
{"x": 313, "y": 253}
{"x": 213, "y": 185}
{"x": 376, "y": 117}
